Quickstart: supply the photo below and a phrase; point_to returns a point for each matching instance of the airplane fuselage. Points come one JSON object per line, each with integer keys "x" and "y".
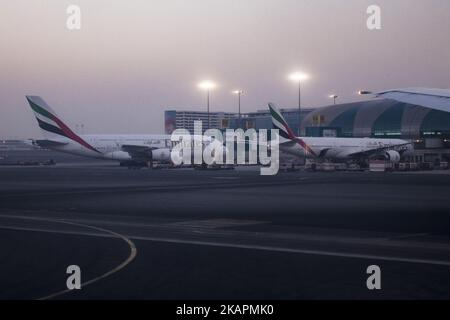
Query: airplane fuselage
{"x": 343, "y": 148}
{"x": 109, "y": 147}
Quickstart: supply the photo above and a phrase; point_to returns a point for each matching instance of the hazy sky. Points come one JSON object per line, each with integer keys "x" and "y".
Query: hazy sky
{"x": 133, "y": 59}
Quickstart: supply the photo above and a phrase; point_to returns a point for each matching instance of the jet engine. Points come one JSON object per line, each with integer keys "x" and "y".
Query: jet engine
{"x": 392, "y": 156}
{"x": 119, "y": 155}
{"x": 162, "y": 155}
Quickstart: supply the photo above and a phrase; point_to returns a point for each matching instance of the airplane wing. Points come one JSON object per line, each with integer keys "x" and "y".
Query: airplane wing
{"x": 138, "y": 152}
{"x": 438, "y": 99}
{"x": 376, "y": 151}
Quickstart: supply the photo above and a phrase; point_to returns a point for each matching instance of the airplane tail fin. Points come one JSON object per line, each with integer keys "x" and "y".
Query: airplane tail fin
{"x": 51, "y": 125}
{"x": 280, "y": 123}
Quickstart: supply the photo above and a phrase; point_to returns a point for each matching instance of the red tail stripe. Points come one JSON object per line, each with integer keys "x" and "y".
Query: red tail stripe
{"x": 300, "y": 141}
{"x": 69, "y": 133}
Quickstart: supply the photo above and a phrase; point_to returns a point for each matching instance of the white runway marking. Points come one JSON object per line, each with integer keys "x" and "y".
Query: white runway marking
{"x": 112, "y": 234}
{"x": 406, "y": 236}
{"x": 133, "y": 253}
{"x": 250, "y": 247}
{"x": 300, "y": 251}
{"x": 216, "y": 223}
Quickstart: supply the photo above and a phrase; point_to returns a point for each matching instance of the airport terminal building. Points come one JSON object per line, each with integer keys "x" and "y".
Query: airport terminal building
{"x": 428, "y": 127}
{"x": 175, "y": 119}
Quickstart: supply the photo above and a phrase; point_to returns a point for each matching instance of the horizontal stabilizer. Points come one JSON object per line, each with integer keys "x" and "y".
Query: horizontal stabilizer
{"x": 49, "y": 143}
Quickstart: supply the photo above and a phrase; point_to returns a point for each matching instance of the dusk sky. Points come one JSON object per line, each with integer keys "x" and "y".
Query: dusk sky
{"x": 132, "y": 60}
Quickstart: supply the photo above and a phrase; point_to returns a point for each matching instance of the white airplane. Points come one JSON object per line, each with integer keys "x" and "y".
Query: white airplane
{"x": 341, "y": 149}
{"x": 127, "y": 149}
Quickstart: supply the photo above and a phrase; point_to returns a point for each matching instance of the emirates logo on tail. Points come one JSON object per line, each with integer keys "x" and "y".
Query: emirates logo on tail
{"x": 51, "y": 124}
{"x": 285, "y": 131}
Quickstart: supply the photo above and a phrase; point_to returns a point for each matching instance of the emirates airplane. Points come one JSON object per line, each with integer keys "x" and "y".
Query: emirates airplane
{"x": 341, "y": 149}
{"x": 127, "y": 149}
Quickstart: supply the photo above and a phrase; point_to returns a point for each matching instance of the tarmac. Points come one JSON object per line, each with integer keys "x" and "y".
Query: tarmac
{"x": 189, "y": 234}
